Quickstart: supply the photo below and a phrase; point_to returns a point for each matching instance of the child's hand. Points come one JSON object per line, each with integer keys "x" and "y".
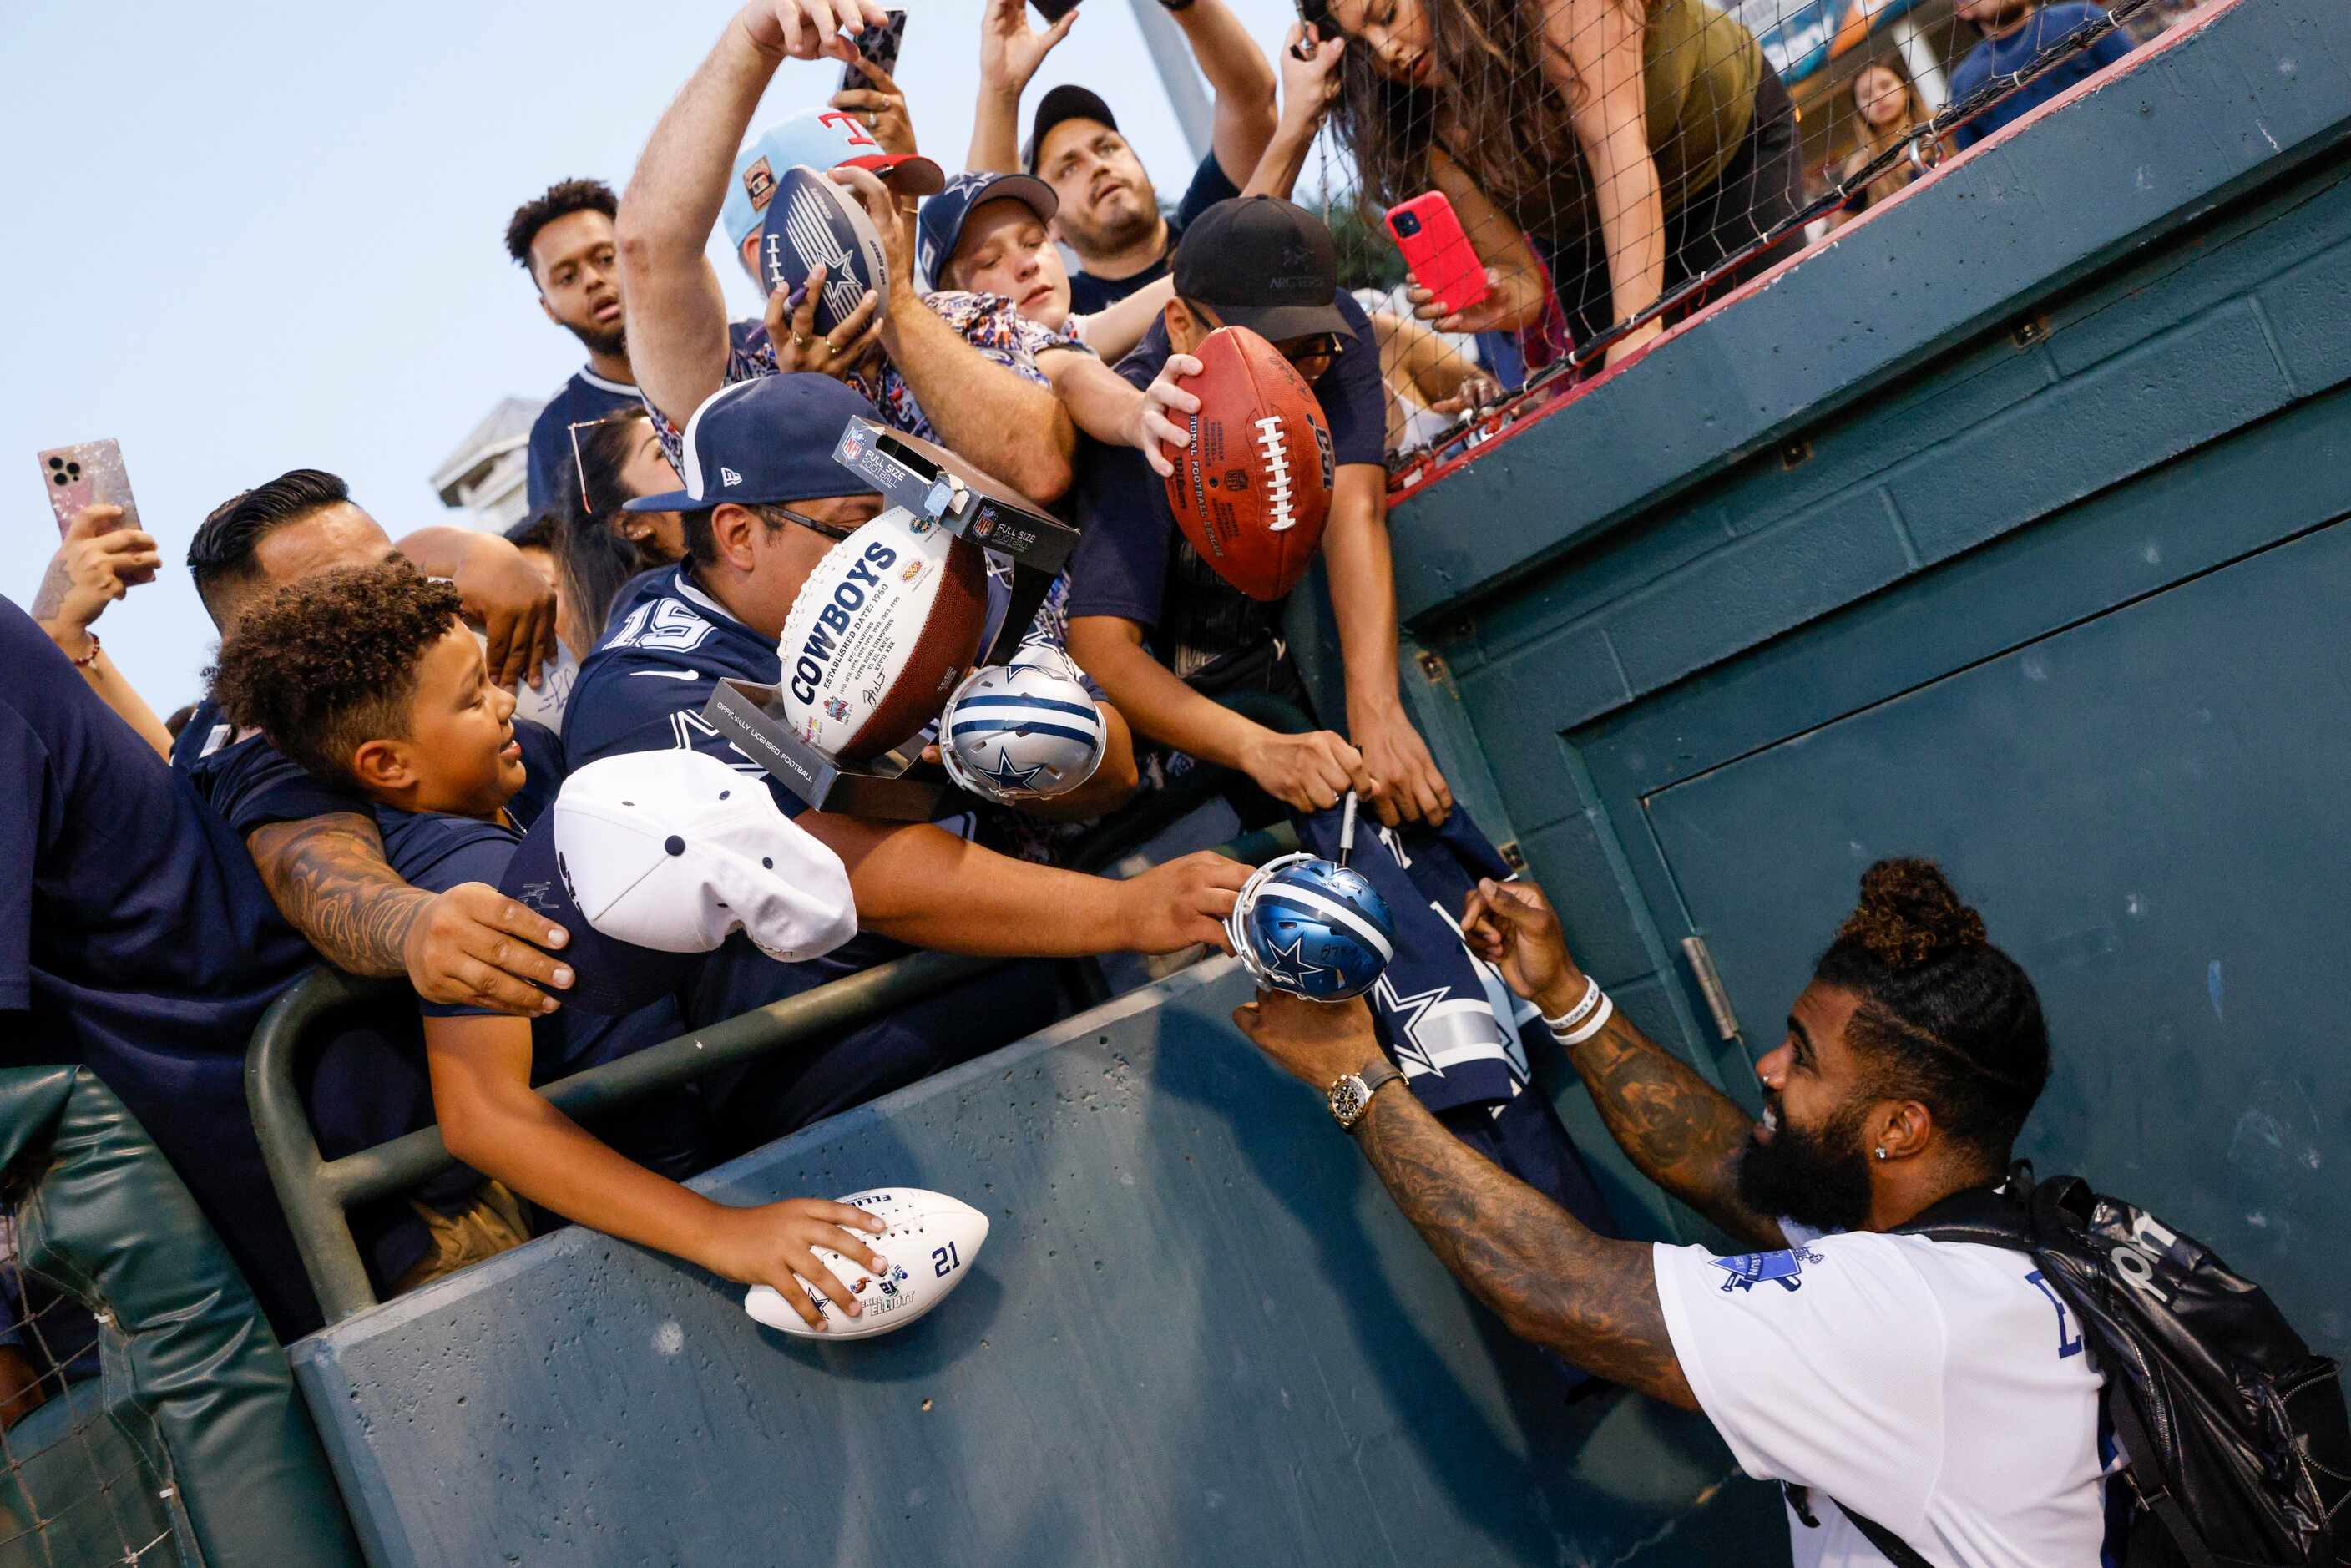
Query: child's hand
{"x": 771, "y": 1245}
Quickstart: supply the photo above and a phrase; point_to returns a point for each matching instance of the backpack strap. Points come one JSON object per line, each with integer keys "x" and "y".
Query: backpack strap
{"x": 1891, "y": 1547}
{"x": 2131, "y": 1432}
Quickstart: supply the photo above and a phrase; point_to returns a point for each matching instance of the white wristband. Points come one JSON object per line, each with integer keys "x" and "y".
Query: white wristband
{"x": 1579, "y": 1012}
{"x": 1599, "y": 1021}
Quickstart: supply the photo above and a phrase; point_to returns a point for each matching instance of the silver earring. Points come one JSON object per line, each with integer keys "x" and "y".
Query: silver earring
{"x": 1881, "y": 1151}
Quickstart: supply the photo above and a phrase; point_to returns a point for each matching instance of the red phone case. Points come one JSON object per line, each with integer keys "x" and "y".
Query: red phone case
{"x": 1440, "y": 254}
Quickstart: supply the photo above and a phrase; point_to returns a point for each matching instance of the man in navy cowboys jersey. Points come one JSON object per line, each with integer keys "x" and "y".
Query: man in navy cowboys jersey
{"x": 563, "y": 238}
{"x": 765, "y": 503}
{"x": 1939, "y": 1388}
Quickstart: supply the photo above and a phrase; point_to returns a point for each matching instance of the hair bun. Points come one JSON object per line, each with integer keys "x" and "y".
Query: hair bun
{"x": 1909, "y": 915}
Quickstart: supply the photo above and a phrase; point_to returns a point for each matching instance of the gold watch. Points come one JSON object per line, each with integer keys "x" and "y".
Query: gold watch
{"x": 1351, "y": 1096}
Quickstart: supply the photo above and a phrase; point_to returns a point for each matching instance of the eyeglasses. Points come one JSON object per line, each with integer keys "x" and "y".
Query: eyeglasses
{"x": 1324, "y": 346}
{"x": 830, "y": 530}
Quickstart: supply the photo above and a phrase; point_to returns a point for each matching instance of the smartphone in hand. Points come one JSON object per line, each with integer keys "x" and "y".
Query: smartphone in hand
{"x": 86, "y": 474}
{"x": 1054, "y": 10}
{"x": 1440, "y": 254}
{"x": 879, "y": 44}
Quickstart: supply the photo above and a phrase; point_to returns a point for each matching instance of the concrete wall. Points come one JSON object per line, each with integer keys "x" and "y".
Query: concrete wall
{"x": 1199, "y": 1334}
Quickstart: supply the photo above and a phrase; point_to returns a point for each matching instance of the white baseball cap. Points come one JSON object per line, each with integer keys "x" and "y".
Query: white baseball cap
{"x": 652, "y": 857}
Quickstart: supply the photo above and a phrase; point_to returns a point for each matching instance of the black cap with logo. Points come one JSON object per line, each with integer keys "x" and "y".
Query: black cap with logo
{"x": 1265, "y": 263}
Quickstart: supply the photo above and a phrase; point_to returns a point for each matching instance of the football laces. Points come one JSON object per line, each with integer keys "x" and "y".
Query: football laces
{"x": 1274, "y": 445}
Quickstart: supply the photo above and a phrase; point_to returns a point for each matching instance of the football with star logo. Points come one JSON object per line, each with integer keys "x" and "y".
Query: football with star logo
{"x": 1028, "y": 731}
{"x": 1311, "y": 927}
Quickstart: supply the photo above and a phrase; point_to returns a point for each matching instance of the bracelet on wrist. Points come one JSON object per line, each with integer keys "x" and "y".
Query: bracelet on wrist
{"x": 1579, "y": 1012}
{"x": 1599, "y": 1021}
{"x": 87, "y": 660}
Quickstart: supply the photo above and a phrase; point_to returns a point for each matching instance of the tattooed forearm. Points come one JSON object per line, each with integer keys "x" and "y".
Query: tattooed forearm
{"x": 331, "y": 882}
{"x": 1592, "y": 1300}
{"x": 1683, "y": 1132}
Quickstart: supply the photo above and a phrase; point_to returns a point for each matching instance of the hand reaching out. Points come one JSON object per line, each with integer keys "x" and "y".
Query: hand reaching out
{"x": 1308, "y": 772}
{"x": 799, "y": 346}
{"x": 97, "y": 563}
{"x": 881, "y": 108}
{"x": 1160, "y": 416}
{"x": 1010, "y": 50}
{"x": 1412, "y": 789}
{"x": 1512, "y": 925}
{"x": 810, "y": 29}
{"x": 1310, "y": 73}
{"x": 892, "y": 226}
{"x": 773, "y": 1245}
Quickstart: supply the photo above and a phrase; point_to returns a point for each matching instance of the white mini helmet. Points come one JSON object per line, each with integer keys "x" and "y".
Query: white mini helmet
{"x": 1021, "y": 731}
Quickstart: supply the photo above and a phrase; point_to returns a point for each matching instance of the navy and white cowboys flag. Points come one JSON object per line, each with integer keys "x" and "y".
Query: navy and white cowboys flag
{"x": 1446, "y": 1018}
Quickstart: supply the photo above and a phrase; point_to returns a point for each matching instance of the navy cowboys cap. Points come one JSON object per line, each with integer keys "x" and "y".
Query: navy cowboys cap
{"x": 764, "y": 441}
{"x": 939, "y": 228}
{"x": 1265, "y": 263}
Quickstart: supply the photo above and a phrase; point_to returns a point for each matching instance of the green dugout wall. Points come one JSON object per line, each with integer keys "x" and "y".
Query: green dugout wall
{"x": 2009, "y": 528}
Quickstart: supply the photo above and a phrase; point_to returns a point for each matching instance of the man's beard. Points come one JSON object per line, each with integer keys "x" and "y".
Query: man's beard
{"x": 1086, "y": 238}
{"x": 1818, "y": 1179}
{"x": 601, "y": 340}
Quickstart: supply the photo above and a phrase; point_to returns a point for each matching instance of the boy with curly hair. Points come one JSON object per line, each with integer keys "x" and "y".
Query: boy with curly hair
{"x": 367, "y": 677}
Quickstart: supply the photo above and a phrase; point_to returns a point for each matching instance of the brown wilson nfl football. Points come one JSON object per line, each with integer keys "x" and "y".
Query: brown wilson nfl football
{"x": 1253, "y": 490}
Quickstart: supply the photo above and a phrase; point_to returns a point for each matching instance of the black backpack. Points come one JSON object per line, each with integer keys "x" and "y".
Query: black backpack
{"x": 2237, "y": 1438}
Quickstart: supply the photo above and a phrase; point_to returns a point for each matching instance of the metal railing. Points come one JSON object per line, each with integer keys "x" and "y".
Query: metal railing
{"x": 317, "y": 1193}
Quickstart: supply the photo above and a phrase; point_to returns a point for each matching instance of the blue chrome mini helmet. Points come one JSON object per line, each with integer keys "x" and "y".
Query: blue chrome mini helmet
{"x": 1022, "y": 731}
{"x": 1311, "y": 927}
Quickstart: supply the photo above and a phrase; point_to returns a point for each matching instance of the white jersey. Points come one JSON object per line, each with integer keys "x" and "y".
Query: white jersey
{"x": 1940, "y": 1388}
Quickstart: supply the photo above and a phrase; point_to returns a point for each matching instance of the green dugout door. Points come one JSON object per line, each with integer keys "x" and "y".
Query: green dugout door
{"x": 2149, "y": 808}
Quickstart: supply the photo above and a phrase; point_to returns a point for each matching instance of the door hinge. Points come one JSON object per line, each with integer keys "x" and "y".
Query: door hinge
{"x": 1710, "y": 982}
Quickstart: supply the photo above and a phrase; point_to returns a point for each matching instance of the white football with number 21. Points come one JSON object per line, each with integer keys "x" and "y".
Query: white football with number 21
{"x": 930, "y": 1242}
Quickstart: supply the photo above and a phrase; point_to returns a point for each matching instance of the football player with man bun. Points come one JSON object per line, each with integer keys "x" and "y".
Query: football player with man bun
{"x": 764, "y": 503}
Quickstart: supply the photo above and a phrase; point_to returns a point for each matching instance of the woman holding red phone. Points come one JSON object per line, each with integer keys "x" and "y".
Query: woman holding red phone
{"x": 1627, "y": 146}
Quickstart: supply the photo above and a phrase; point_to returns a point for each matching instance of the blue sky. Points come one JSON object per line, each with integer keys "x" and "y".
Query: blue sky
{"x": 255, "y": 238}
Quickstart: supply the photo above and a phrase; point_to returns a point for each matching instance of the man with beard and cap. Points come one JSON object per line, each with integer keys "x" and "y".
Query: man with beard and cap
{"x": 1109, "y": 213}
{"x": 1936, "y": 1387}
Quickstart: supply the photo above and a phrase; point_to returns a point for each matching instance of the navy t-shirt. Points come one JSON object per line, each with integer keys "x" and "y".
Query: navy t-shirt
{"x": 247, "y": 781}
{"x": 136, "y": 939}
{"x": 2003, "y": 57}
{"x": 1133, "y": 562}
{"x": 585, "y": 396}
{"x": 437, "y": 850}
{"x": 1210, "y": 184}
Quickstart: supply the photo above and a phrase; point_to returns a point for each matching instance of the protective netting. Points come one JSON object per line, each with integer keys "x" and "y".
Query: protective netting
{"x": 85, "y": 1479}
{"x": 1616, "y": 165}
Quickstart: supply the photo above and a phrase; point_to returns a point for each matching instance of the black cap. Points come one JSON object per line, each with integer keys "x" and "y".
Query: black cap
{"x": 1067, "y": 102}
{"x": 1265, "y": 263}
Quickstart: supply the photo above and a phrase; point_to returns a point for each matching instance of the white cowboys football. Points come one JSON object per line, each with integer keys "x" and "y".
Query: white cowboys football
{"x": 931, "y": 1243}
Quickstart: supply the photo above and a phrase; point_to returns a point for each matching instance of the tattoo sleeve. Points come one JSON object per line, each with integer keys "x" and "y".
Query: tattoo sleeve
{"x": 1592, "y": 1300}
{"x": 1683, "y": 1132}
{"x": 328, "y": 878}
